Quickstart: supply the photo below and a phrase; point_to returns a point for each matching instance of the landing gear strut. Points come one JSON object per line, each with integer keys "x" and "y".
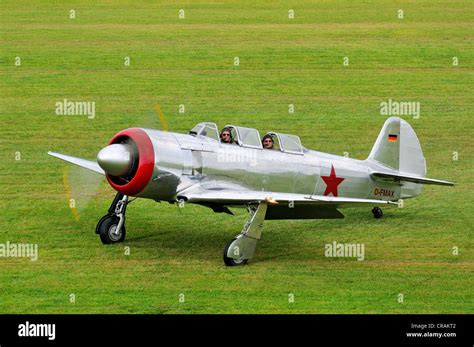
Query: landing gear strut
{"x": 111, "y": 227}
{"x": 242, "y": 248}
{"x": 377, "y": 212}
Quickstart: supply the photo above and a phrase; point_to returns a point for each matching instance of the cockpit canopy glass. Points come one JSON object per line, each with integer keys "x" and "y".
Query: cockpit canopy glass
{"x": 205, "y": 129}
{"x": 287, "y": 143}
{"x": 249, "y": 137}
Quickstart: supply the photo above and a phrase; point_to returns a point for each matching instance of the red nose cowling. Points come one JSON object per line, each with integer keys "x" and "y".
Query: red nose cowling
{"x": 141, "y": 174}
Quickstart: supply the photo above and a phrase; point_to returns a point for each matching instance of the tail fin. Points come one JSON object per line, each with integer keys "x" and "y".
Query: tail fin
{"x": 398, "y": 148}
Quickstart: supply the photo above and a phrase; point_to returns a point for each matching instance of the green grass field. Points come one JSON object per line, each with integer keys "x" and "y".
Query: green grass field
{"x": 190, "y": 61}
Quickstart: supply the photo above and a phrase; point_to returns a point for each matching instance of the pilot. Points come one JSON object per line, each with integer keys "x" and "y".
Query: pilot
{"x": 226, "y": 136}
{"x": 267, "y": 142}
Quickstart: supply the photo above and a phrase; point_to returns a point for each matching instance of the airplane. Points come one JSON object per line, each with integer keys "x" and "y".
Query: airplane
{"x": 286, "y": 181}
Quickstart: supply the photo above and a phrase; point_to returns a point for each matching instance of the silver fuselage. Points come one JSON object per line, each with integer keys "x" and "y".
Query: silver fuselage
{"x": 182, "y": 161}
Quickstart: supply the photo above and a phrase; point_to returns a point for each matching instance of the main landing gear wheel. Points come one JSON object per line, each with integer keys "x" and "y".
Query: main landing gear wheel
{"x": 231, "y": 261}
{"x": 242, "y": 247}
{"x": 108, "y": 230}
{"x": 377, "y": 212}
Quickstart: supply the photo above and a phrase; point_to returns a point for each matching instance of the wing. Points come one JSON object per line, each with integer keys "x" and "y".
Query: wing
{"x": 280, "y": 205}
{"x": 237, "y": 197}
{"x": 86, "y": 164}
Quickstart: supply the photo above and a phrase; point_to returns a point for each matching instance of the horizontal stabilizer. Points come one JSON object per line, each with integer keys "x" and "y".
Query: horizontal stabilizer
{"x": 86, "y": 164}
{"x": 409, "y": 178}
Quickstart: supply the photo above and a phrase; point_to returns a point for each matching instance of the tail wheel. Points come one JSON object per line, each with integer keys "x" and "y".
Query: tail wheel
{"x": 377, "y": 212}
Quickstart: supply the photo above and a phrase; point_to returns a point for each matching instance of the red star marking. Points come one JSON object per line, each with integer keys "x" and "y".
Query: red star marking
{"x": 332, "y": 182}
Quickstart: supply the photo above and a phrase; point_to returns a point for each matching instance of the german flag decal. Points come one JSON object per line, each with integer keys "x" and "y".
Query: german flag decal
{"x": 392, "y": 137}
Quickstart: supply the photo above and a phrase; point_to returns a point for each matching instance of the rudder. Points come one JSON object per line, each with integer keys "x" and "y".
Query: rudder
{"x": 398, "y": 148}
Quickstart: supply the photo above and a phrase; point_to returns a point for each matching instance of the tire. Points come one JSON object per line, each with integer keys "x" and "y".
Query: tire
{"x": 231, "y": 261}
{"x": 106, "y": 228}
{"x": 377, "y": 212}
{"x": 97, "y": 227}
